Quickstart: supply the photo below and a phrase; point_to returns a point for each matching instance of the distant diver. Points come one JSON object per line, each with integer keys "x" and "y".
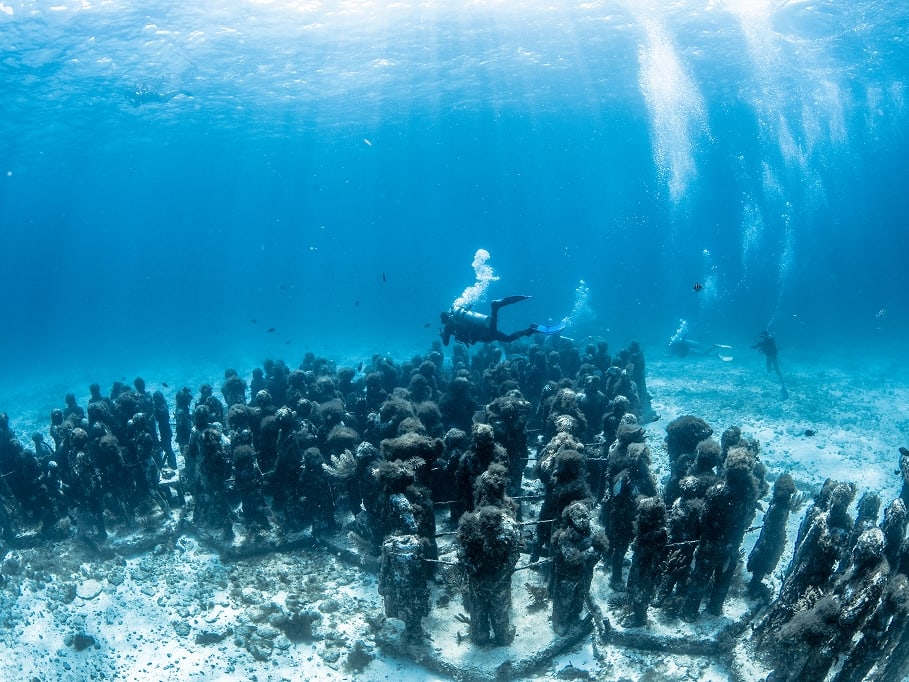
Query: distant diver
{"x": 469, "y": 327}
{"x": 685, "y": 347}
{"x": 766, "y": 345}
{"x": 142, "y": 94}
{"x": 681, "y": 346}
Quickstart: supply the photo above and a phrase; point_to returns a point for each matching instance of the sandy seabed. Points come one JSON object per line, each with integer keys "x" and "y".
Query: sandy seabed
{"x": 168, "y": 606}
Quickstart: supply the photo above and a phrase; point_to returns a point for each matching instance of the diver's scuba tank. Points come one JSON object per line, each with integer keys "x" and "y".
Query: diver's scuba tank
{"x": 469, "y": 317}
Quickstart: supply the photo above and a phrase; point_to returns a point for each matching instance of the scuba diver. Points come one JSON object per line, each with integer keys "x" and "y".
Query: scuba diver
{"x": 684, "y": 347}
{"x": 766, "y": 345}
{"x": 681, "y": 346}
{"x": 470, "y": 327}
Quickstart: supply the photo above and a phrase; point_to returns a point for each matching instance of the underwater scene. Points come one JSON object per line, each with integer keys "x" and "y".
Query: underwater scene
{"x": 478, "y": 340}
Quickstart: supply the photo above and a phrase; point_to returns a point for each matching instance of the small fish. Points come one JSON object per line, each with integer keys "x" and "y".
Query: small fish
{"x": 697, "y": 287}
{"x": 270, "y": 330}
{"x": 810, "y": 432}
{"x": 357, "y": 302}
{"x": 384, "y": 278}
{"x": 360, "y": 366}
{"x": 881, "y": 314}
{"x": 164, "y": 384}
{"x": 367, "y": 142}
{"x": 427, "y": 325}
{"x": 283, "y": 287}
{"x": 252, "y": 321}
{"x": 287, "y": 343}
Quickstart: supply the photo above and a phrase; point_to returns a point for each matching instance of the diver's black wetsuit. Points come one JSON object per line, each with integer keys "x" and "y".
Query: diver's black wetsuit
{"x": 469, "y": 327}
{"x": 767, "y": 346}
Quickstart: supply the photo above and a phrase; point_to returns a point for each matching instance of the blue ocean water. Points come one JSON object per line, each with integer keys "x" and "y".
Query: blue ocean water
{"x": 189, "y": 182}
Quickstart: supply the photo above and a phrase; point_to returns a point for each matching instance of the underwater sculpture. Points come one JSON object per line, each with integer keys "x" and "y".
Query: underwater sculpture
{"x": 248, "y": 483}
{"x": 845, "y": 595}
{"x": 768, "y": 549}
{"x": 215, "y": 468}
{"x": 683, "y": 521}
{"x": 578, "y": 544}
{"x": 648, "y": 558}
{"x": 403, "y": 581}
{"x": 628, "y": 481}
{"x": 489, "y": 545}
{"x": 508, "y": 415}
{"x": 682, "y": 437}
{"x": 729, "y": 508}
{"x": 483, "y": 451}
{"x": 567, "y": 483}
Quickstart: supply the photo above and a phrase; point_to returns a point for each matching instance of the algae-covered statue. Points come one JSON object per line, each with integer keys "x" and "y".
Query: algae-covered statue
{"x": 403, "y": 576}
{"x": 489, "y": 542}
{"x": 577, "y": 546}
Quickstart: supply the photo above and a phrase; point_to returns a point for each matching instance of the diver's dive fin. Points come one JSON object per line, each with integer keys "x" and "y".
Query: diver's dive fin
{"x": 508, "y": 300}
{"x": 550, "y": 328}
